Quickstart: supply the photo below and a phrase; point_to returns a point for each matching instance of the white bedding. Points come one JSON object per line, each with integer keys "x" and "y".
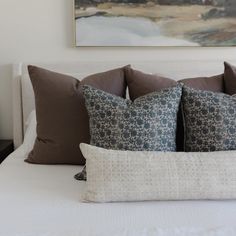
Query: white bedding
{"x": 39, "y": 200}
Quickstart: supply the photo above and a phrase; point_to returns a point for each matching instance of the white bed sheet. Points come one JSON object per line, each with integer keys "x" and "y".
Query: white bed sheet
{"x": 40, "y": 200}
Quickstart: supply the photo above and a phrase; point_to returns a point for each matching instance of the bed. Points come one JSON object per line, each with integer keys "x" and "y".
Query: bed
{"x": 45, "y": 200}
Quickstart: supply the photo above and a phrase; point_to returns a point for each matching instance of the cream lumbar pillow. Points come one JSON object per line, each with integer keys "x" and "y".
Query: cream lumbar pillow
{"x": 142, "y": 176}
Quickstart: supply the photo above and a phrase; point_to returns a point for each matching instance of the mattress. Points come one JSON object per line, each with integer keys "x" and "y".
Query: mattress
{"x": 40, "y": 200}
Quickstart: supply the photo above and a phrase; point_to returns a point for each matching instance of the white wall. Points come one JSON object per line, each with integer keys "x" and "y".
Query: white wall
{"x": 41, "y": 30}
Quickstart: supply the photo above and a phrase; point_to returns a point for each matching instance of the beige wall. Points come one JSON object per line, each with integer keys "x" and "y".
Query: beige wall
{"x": 41, "y": 30}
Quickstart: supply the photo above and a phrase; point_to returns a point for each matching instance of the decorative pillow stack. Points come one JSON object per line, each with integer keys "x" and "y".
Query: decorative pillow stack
{"x": 133, "y": 137}
{"x": 140, "y": 84}
{"x": 62, "y": 118}
{"x": 210, "y": 125}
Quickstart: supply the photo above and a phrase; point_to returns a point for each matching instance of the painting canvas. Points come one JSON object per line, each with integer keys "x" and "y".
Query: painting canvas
{"x": 155, "y": 22}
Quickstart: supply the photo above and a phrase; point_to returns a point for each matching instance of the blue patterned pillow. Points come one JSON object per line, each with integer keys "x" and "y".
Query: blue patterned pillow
{"x": 209, "y": 119}
{"x": 147, "y": 124}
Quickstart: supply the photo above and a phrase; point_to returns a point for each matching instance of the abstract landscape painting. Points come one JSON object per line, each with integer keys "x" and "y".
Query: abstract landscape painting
{"x": 155, "y": 22}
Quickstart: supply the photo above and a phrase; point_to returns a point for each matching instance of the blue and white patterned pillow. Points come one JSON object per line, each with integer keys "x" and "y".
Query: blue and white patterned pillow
{"x": 147, "y": 124}
{"x": 209, "y": 120}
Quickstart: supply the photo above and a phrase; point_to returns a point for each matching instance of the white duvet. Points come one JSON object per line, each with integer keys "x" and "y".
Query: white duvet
{"x": 43, "y": 200}
{"x": 39, "y": 200}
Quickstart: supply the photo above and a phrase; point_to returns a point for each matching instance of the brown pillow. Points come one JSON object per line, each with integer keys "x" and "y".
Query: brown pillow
{"x": 140, "y": 84}
{"x": 213, "y": 83}
{"x": 62, "y": 119}
{"x": 230, "y": 78}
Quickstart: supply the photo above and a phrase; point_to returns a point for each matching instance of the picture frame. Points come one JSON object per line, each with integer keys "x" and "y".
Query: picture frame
{"x": 195, "y": 23}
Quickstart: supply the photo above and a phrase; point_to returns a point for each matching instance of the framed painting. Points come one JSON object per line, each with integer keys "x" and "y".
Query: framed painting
{"x": 155, "y": 22}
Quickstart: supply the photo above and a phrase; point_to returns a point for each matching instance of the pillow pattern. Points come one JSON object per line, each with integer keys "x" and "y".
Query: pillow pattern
{"x": 115, "y": 175}
{"x": 62, "y": 119}
{"x": 209, "y": 119}
{"x": 148, "y": 123}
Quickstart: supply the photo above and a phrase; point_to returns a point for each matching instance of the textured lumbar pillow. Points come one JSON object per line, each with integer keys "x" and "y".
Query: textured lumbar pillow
{"x": 210, "y": 120}
{"x": 148, "y": 123}
{"x": 138, "y": 176}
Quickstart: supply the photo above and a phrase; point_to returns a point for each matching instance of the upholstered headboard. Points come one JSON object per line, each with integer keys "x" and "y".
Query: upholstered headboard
{"x": 23, "y": 97}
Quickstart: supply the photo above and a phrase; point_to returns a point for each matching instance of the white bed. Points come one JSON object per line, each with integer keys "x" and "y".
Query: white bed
{"x": 40, "y": 200}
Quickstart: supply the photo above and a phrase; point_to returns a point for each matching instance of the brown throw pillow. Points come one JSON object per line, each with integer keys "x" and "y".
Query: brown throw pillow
{"x": 213, "y": 83}
{"x": 62, "y": 119}
{"x": 230, "y": 79}
{"x": 140, "y": 83}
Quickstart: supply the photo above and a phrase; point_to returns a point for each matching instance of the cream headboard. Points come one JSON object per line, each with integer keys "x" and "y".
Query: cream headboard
{"x": 23, "y": 98}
